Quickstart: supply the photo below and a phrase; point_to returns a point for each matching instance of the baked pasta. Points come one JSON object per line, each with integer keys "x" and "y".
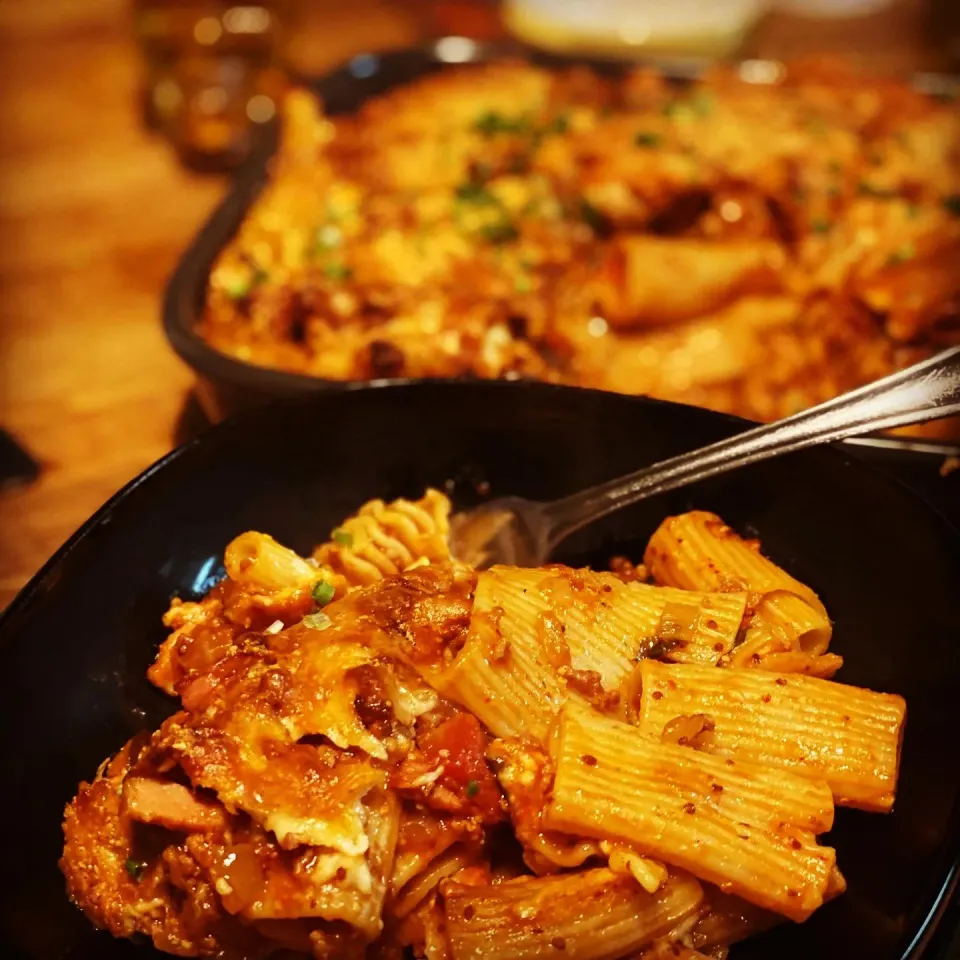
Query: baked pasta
{"x": 381, "y": 752}
{"x": 750, "y": 247}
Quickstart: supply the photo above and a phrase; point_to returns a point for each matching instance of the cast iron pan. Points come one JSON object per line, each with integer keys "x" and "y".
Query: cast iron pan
{"x": 78, "y": 639}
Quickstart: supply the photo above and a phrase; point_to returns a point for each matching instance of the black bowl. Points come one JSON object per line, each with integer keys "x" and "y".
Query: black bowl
{"x": 78, "y": 639}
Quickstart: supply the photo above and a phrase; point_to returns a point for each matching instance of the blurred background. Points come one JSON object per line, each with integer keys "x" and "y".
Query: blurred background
{"x": 120, "y": 121}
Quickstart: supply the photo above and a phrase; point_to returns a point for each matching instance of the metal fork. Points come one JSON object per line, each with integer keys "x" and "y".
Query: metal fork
{"x": 525, "y": 532}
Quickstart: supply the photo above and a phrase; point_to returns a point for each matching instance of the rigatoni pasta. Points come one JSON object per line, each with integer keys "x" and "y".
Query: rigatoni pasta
{"x": 540, "y": 636}
{"x": 732, "y": 823}
{"x": 845, "y": 736}
{"x": 593, "y": 915}
{"x": 698, "y": 551}
{"x": 382, "y": 752}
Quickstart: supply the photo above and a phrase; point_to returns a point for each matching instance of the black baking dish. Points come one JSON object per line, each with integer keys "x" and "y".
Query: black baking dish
{"x": 225, "y": 384}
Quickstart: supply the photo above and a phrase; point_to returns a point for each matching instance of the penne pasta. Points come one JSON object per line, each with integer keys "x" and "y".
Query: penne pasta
{"x": 593, "y": 915}
{"x": 818, "y": 729}
{"x": 737, "y": 824}
{"x": 698, "y": 551}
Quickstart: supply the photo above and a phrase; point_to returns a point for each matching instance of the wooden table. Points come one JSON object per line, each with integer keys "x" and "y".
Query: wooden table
{"x": 93, "y": 215}
{"x": 94, "y": 212}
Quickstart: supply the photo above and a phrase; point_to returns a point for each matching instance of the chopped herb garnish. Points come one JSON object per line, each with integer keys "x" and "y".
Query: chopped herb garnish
{"x": 523, "y": 284}
{"x": 647, "y": 139}
{"x": 559, "y": 124}
{"x": 493, "y": 122}
{"x": 702, "y": 103}
{"x": 473, "y": 788}
{"x": 329, "y": 237}
{"x": 135, "y": 869}
{"x": 473, "y": 192}
{"x": 500, "y": 231}
{"x": 913, "y": 211}
{"x": 905, "y": 253}
{"x": 820, "y": 225}
{"x": 343, "y": 537}
{"x": 323, "y": 592}
{"x": 337, "y": 271}
{"x": 317, "y": 621}
{"x": 669, "y": 109}
{"x": 592, "y": 217}
{"x": 239, "y": 287}
{"x": 951, "y": 204}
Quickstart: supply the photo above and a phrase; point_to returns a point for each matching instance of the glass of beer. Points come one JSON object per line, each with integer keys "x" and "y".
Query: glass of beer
{"x": 210, "y": 73}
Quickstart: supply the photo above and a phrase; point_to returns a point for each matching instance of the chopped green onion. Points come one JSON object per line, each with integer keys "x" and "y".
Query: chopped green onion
{"x": 239, "y": 287}
{"x": 500, "y": 231}
{"x": 473, "y": 192}
{"x": 337, "y": 271}
{"x": 343, "y": 537}
{"x": 473, "y": 788}
{"x": 905, "y": 253}
{"x": 913, "y": 211}
{"x": 592, "y": 217}
{"x": 523, "y": 284}
{"x": 329, "y": 237}
{"x": 135, "y": 869}
{"x": 317, "y": 621}
{"x": 647, "y": 140}
{"x": 820, "y": 225}
{"x": 323, "y": 592}
{"x": 951, "y": 204}
{"x": 559, "y": 124}
{"x": 669, "y": 109}
{"x": 492, "y": 122}
{"x": 702, "y": 103}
